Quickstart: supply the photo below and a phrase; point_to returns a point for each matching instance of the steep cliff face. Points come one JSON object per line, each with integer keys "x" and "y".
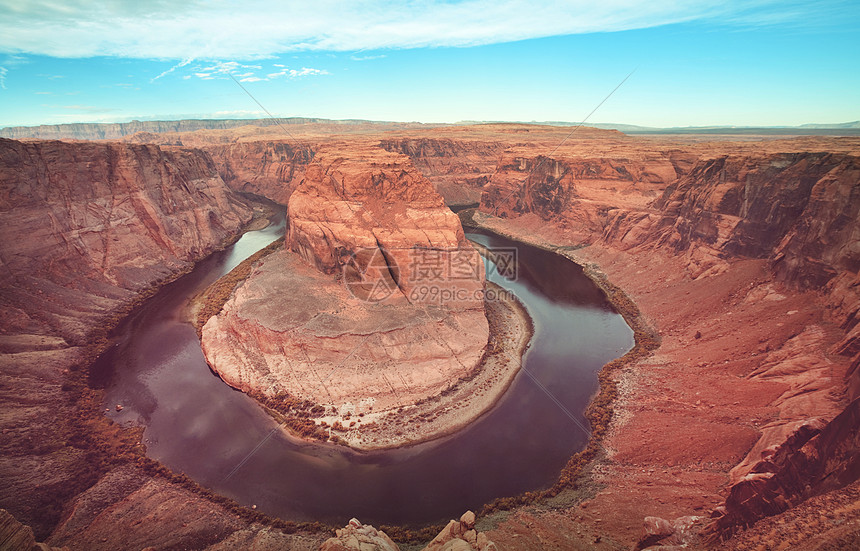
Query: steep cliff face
{"x": 85, "y": 226}
{"x": 800, "y": 212}
{"x": 403, "y": 317}
{"x": 578, "y": 193}
{"x": 796, "y": 209}
{"x": 539, "y": 185}
{"x": 458, "y": 168}
{"x": 270, "y": 169}
{"x": 368, "y": 200}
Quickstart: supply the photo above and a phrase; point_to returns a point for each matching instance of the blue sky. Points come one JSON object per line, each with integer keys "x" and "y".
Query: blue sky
{"x": 694, "y": 63}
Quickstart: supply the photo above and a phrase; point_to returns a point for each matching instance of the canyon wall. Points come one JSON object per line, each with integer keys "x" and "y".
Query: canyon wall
{"x": 270, "y": 169}
{"x": 796, "y": 209}
{"x": 793, "y": 213}
{"x": 458, "y": 168}
{"x": 84, "y": 229}
{"x": 578, "y": 192}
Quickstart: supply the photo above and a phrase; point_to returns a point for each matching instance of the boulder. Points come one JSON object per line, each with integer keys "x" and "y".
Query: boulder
{"x": 359, "y": 537}
{"x": 461, "y": 536}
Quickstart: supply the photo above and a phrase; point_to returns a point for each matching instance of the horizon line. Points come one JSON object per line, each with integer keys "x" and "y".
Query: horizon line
{"x": 844, "y": 125}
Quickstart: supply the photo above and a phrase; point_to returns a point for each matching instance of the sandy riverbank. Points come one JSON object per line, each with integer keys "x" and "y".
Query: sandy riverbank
{"x": 510, "y": 333}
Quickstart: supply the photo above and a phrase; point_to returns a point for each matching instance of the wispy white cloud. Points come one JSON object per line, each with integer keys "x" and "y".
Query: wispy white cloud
{"x": 182, "y": 63}
{"x": 295, "y": 73}
{"x": 8, "y": 62}
{"x": 366, "y": 57}
{"x": 226, "y": 69}
{"x": 232, "y": 67}
{"x": 213, "y": 29}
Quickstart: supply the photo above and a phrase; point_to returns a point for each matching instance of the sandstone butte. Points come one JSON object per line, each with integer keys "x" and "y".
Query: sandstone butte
{"x": 738, "y": 432}
{"x": 377, "y": 307}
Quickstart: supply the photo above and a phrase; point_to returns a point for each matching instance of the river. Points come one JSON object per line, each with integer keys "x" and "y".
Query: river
{"x": 197, "y": 425}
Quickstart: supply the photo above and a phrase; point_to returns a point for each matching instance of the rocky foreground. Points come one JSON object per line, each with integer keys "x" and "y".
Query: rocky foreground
{"x": 743, "y": 255}
{"x": 458, "y": 535}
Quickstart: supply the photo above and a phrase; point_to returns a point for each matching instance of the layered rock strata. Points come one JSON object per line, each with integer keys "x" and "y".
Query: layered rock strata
{"x": 795, "y": 209}
{"x": 814, "y": 459}
{"x": 751, "y": 263}
{"x": 744, "y": 350}
{"x": 84, "y": 227}
{"x": 14, "y": 536}
{"x": 351, "y": 205}
{"x": 458, "y": 168}
{"x": 378, "y": 306}
{"x": 577, "y": 192}
{"x": 270, "y": 169}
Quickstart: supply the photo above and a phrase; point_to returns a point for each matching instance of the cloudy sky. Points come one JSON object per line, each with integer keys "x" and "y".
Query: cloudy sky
{"x": 693, "y": 63}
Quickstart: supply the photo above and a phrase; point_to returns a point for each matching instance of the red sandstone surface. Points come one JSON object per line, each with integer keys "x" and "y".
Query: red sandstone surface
{"x": 344, "y": 320}
{"x": 743, "y": 255}
{"x": 741, "y": 266}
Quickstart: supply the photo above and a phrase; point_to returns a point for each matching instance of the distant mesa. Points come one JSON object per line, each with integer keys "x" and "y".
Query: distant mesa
{"x": 120, "y": 130}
